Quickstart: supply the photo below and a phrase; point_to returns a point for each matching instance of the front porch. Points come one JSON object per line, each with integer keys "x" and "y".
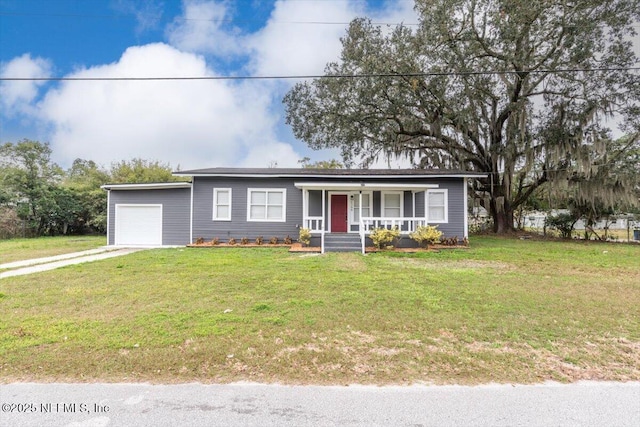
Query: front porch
{"x": 353, "y": 210}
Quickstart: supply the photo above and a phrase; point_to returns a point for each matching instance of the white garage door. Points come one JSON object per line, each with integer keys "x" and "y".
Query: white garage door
{"x": 138, "y": 225}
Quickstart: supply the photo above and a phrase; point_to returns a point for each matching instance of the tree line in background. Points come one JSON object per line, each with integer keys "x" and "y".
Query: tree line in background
{"x": 39, "y": 198}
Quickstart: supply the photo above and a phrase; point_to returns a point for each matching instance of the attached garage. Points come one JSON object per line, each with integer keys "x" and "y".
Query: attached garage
{"x": 149, "y": 214}
{"x": 138, "y": 225}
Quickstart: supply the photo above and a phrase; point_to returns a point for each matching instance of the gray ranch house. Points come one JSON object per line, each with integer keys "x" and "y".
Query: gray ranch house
{"x": 339, "y": 206}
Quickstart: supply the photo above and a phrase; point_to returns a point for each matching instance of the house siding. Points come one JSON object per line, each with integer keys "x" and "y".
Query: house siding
{"x": 455, "y": 224}
{"x": 175, "y": 211}
{"x": 204, "y": 226}
{"x": 178, "y": 218}
{"x": 454, "y": 187}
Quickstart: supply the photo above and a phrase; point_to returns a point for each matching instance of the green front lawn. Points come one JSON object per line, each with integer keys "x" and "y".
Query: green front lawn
{"x": 502, "y": 311}
{"x": 22, "y": 249}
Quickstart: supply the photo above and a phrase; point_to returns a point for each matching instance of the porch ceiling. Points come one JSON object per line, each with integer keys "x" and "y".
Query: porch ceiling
{"x": 369, "y": 186}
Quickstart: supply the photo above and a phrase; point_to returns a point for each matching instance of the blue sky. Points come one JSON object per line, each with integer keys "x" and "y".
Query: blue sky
{"x": 187, "y": 124}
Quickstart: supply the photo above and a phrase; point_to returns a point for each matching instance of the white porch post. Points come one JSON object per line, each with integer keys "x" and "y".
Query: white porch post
{"x": 305, "y": 207}
{"x": 426, "y": 207}
{"x": 361, "y": 225}
{"x": 324, "y": 222}
{"x": 413, "y": 195}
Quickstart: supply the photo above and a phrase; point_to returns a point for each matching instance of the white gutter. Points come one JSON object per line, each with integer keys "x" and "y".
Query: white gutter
{"x": 149, "y": 186}
{"x": 324, "y": 222}
{"x": 466, "y": 209}
{"x": 191, "y": 218}
{"x": 361, "y": 225}
{"x": 361, "y": 186}
{"x": 336, "y": 176}
{"x": 109, "y": 216}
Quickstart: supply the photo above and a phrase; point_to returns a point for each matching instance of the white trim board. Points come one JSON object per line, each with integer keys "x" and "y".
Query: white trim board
{"x": 369, "y": 186}
{"x": 346, "y": 176}
{"x": 150, "y": 186}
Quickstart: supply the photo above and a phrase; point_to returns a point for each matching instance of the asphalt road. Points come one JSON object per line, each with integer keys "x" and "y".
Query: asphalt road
{"x": 100, "y": 405}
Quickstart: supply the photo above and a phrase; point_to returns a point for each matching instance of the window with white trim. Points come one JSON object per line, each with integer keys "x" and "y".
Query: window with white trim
{"x": 266, "y": 204}
{"x": 366, "y": 206}
{"x": 392, "y": 204}
{"x": 222, "y": 204}
{"x": 437, "y": 206}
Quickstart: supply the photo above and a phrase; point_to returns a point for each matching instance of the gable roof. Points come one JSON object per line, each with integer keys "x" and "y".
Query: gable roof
{"x": 326, "y": 173}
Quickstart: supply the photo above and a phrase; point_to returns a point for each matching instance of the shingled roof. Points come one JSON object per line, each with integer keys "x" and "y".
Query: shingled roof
{"x": 308, "y": 172}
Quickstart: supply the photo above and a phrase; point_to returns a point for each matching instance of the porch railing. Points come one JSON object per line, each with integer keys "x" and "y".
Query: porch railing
{"x": 406, "y": 225}
{"x": 313, "y": 223}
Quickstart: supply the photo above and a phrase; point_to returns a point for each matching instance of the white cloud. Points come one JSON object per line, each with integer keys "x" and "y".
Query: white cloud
{"x": 190, "y": 123}
{"x": 146, "y": 12}
{"x": 16, "y": 97}
{"x": 287, "y": 46}
{"x": 300, "y": 38}
{"x": 271, "y": 154}
{"x": 202, "y": 29}
{"x": 194, "y": 123}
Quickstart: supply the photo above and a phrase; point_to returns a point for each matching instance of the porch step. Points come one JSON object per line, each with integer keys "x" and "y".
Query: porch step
{"x": 342, "y": 242}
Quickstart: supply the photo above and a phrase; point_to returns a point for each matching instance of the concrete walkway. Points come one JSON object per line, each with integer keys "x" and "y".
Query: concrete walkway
{"x": 34, "y": 261}
{"x": 50, "y": 263}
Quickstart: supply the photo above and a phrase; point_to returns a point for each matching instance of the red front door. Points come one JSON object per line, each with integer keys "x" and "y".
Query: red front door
{"x": 338, "y": 213}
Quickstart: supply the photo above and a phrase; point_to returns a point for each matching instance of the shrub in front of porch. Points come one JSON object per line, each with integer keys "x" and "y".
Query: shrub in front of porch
{"x": 426, "y": 235}
{"x": 305, "y": 236}
{"x": 383, "y": 238}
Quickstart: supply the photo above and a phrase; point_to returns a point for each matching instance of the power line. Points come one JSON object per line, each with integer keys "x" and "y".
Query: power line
{"x": 187, "y": 19}
{"x": 330, "y": 76}
{"x": 222, "y": 20}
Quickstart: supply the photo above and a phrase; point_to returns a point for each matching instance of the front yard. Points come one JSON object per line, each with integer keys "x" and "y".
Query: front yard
{"x": 502, "y": 311}
{"x": 22, "y": 249}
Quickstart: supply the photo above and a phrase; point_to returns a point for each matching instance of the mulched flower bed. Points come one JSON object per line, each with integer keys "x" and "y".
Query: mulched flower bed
{"x": 293, "y": 247}
{"x": 298, "y": 247}
{"x": 238, "y": 245}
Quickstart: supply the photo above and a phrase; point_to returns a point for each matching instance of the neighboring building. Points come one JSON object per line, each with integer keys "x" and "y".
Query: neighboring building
{"x": 535, "y": 220}
{"x": 343, "y": 204}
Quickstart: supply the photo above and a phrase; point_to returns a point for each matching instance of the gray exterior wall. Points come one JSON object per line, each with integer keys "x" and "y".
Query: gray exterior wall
{"x": 175, "y": 211}
{"x": 455, "y": 199}
{"x": 457, "y": 214}
{"x": 204, "y": 226}
{"x": 177, "y": 204}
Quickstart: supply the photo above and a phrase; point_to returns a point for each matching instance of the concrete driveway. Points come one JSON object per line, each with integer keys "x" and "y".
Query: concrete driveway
{"x": 50, "y": 263}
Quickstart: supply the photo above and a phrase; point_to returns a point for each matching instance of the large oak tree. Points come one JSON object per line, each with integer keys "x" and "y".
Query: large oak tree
{"x": 522, "y": 91}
